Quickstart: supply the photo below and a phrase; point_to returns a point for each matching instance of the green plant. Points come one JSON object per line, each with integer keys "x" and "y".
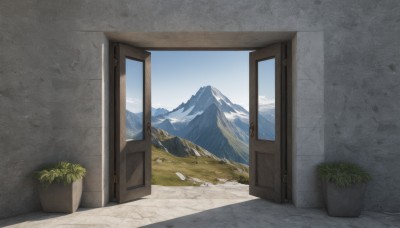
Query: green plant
{"x": 342, "y": 174}
{"x": 61, "y": 172}
{"x": 243, "y": 179}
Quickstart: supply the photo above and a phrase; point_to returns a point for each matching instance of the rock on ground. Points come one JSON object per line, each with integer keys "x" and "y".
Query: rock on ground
{"x": 181, "y": 176}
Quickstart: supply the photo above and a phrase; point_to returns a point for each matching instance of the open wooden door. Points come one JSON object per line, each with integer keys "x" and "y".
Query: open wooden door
{"x": 268, "y": 123}
{"x": 132, "y": 123}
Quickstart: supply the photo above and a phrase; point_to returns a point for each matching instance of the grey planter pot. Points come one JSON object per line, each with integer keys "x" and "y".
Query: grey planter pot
{"x": 61, "y": 198}
{"x": 344, "y": 202}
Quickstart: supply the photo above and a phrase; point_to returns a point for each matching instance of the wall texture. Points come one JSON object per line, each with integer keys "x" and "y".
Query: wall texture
{"x": 52, "y": 83}
{"x": 308, "y": 117}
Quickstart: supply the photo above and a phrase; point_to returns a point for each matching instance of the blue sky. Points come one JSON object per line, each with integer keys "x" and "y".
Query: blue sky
{"x": 177, "y": 75}
{"x": 266, "y": 81}
{"x": 134, "y": 86}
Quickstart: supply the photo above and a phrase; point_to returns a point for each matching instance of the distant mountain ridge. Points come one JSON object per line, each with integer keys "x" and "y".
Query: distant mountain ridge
{"x": 210, "y": 120}
{"x": 174, "y": 158}
{"x": 218, "y": 135}
{"x": 177, "y": 146}
{"x": 158, "y": 111}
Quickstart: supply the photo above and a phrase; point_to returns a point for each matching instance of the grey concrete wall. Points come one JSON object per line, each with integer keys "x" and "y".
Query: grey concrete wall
{"x": 308, "y": 117}
{"x": 52, "y": 84}
{"x": 51, "y": 102}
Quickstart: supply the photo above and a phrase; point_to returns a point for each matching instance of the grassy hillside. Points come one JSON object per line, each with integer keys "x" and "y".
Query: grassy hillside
{"x": 205, "y": 169}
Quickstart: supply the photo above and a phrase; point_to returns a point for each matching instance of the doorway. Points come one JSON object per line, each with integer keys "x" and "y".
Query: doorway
{"x": 200, "y": 122}
{"x": 130, "y": 158}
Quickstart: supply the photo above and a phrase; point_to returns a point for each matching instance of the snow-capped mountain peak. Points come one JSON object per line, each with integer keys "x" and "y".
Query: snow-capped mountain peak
{"x": 210, "y": 119}
{"x": 207, "y": 107}
{"x": 215, "y": 93}
{"x": 198, "y": 103}
{"x": 208, "y": 95}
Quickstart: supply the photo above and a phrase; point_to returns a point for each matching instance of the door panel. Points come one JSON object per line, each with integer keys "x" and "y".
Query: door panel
{"x": 132, "y": 127}
{"x": 266, "y": 123}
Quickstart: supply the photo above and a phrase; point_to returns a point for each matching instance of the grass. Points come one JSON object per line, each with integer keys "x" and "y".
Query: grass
{"x": 203, "y": 168}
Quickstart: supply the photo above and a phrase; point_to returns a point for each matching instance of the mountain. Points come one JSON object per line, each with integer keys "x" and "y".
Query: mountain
{"x": 177, "y": 146}
{"x": 133, "y": 124}
{"x": 179, "y": 162}
{"x": 266, "y": 118}
{"x": 216, "y": 133}
{"x": 210, "y": 120}
{"x": 158, "y": 111}
{"x": 134, "y": 127}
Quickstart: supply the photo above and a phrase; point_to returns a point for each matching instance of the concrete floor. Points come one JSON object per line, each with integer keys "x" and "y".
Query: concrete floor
{"x": 226, "y": 205}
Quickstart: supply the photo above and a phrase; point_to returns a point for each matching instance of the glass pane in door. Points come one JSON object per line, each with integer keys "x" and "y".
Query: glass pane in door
{"x": 134, "y": 99}
{"x": 266, "y": 99}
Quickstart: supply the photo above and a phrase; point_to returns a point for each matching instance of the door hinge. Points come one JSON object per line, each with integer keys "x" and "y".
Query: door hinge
{"x": 115, "y": 62}
{"x": 284, "y": 179}
{"x": 115, "y": 178}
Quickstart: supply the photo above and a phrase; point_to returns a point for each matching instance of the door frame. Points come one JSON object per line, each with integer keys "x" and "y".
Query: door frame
{"x": 113, "y": 71}
{"x": 287, "y": 153}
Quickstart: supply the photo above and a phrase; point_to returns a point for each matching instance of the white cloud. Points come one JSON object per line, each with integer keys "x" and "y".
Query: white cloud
{"x": 157, "y": 105}
{"x": 263, "y": 100}
{"x": 134, "y": 105}
{"x": 133, "y": 101}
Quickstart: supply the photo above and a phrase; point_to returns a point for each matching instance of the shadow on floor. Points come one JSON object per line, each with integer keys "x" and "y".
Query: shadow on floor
{"x": 30, "y": 217}
{"x": 260, "y": 213}
{"x": 207, "y": 213}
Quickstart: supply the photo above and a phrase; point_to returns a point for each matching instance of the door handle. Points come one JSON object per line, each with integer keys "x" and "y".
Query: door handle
{"x": 251, "y": 129}
{"x": 149, "y": 128}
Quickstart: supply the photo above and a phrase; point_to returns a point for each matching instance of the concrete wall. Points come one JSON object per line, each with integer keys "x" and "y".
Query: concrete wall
{"x": 308, "y": 117}
{"x": 51, "y": 102}
{"x": 53, "y": 81}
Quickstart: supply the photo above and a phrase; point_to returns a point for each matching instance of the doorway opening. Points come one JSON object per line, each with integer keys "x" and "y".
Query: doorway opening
{"x": 203, "y": 138}
{"x": 200, "y": 118}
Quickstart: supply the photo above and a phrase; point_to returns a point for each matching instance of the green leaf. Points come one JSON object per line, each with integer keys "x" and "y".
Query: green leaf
{"x": 342, "y": 174}
{"x": 61, "y": 172}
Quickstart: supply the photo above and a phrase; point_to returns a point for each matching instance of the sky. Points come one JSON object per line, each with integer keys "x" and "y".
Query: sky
{"x": 134, "y": 85}
{"x": 266, "y": 81}
{"x": 177, "y": 75}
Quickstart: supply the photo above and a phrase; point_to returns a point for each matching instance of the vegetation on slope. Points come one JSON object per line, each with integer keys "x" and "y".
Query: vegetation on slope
{"x": 197, "y": 170}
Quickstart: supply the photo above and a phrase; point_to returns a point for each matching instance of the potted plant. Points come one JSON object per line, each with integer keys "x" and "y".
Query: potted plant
{"x": 343, "y": 186}
{"x": 60, "y": 187}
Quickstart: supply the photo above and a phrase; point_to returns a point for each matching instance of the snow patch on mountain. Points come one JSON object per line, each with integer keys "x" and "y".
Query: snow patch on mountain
{"x": 196, "y": 152}
{"x": 219, "y": 96}
{"x": 237, "y": 115}
{"x": 182, "y": 115}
